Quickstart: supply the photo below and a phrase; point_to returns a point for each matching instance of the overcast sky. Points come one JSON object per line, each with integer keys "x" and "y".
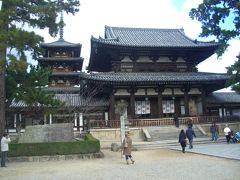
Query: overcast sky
{"x": 95, "y": 14}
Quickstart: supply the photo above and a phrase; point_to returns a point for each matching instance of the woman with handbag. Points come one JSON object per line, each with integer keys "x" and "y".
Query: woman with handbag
{"x": 182, "y": 140}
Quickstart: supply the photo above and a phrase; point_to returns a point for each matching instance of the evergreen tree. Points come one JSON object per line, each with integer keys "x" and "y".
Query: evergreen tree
{"x": 221, "y": 19}
{"x": 15, "y": 40}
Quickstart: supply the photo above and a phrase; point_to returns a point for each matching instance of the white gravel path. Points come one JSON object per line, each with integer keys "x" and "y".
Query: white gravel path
{"x": 150, "y": 165}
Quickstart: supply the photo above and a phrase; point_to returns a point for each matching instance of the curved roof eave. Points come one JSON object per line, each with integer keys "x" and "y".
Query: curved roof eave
{"x": 111, "y": 43}
{"x": 158, "y": 77}
{"x": 149, "y": 37}
{"x": 60, "y": 43}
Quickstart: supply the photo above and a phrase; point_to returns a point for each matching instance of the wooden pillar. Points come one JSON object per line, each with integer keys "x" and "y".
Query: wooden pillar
{"x": 186, "y": 100}
{"x": 132, "y": 102}
{"x": 112, "y": 106}
{"x": 204, "y": 105}
{"x": 20, "y": 121}
{"x": 223, "y": 110}
{"x": 45, "y": 119}
{"x": 160, "y": 106}
{"x": 50, "y": 119}
{"x": 15, "y": 121}
{"x": 80, "y": 123}
{"x": 132, "y": 105}
{"x": 75, "y": 121}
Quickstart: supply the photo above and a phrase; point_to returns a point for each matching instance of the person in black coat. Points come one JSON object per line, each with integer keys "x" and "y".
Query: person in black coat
{"x": 182, "y": 140}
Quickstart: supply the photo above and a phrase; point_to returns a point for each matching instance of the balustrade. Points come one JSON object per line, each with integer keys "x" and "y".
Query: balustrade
{"x": 161, "y": 121}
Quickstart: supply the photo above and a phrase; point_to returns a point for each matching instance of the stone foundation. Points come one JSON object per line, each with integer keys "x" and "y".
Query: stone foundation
{"x": 114, "y": 134}
{"x": 56, "y": 157}
{"x": 47, "y": 133}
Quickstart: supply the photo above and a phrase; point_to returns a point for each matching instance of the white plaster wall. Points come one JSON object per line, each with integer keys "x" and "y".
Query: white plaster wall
{"x": 122, "y": 92}
{"x": 151, "y": 92}
{"x": 177, "y": 91}
{"x": 126, "y": 59}
{"x": 194, "y": 91}
{"x": 144, "y": 59}
{"x": 180, "y": 59}
{"x": 140, "y": 92}
{"x": 167, "y": 91}
{"x": 164, "y": 59}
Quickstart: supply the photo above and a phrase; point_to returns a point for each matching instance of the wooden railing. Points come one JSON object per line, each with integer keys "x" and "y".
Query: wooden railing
{"x": 140, "y": 122}
{"x": 161, "y": 121}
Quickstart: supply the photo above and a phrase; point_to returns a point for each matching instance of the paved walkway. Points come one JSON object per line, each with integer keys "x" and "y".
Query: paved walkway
{"x": 217, "y": 149}
{"x": 224, "y": 150}
{"x": 154, "y": 164}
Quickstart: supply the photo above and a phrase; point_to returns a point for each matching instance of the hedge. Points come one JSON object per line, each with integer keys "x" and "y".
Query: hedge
{"x": 88, "y": 145}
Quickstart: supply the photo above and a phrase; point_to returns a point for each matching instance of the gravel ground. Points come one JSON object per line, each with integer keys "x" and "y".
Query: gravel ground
{"x": 150, "y": 164}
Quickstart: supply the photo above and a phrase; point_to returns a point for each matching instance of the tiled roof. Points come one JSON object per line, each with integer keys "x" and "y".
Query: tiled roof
{"x": 60, "y": 43}
{"x": 147, "y": 37}
{"x": 154, "y": 76}
{"x": 77, "y": 100}
{"x": 63, "y": 89}
{"x": 65, "y": 73}
{"x": 224, "y": 97}
{"x": 70, "y": 100}
{"x": 66, "y": 59}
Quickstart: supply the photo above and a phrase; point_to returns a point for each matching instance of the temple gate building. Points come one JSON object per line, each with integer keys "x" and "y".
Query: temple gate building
{"x": 153, "y": 71}
{"x": 144, "y": 73}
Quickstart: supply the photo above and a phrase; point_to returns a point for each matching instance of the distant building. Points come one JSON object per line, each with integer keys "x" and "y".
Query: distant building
{"x": 154, "y": 72}
{"x": 147, "y": 73}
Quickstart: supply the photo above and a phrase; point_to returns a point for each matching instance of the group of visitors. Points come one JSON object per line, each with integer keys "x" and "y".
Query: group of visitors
{"x": 229, "y": 134}
{"x": 189, "y": 134}
{"x": 183, "y": 136}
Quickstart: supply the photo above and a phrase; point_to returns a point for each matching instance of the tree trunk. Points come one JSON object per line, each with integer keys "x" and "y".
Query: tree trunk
{"x": 3, "y": 49}
{"x": 2, "y": 90}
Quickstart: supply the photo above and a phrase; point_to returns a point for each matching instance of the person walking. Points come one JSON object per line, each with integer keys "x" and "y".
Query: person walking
{"x": 190, "y": 134}
{"x": 127, "y": 148}
{"x": 182, "y": 140}
{"x": 214, "y": 131}
{"x": 4, "y": 149}
{"x": 227, "y": 132}
{"x": 176, "y": 120}
{"x": 190, "y": 122}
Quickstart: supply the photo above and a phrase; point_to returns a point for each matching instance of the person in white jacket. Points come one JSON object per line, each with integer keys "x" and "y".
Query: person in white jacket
{"x": 4, "y": 149}
{"x": 226, "y": 131}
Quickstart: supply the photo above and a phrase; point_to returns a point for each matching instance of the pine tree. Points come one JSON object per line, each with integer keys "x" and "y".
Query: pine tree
{"x": 15, "y": 40}
{"x": 221, "y": 19}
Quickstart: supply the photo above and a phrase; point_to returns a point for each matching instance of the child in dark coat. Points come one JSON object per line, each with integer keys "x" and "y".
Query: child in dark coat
{"x": 182, "y": 140}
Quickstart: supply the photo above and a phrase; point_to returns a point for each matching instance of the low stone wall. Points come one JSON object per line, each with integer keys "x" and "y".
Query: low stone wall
{"x": 114, "y": 134}
{"x": 47, "y": 133}
{"x": 56, "y": 157}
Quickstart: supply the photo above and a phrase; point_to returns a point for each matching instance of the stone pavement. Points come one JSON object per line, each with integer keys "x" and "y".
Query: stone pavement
{"x": 201, "y": 146}
{"x": 224, "y": 150}
{"x": 151, "y": 164}
{"x": 156, "y": 164}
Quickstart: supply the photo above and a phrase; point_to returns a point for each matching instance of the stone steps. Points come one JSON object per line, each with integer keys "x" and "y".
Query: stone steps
{"x": 169, "y": 132}
{"x": 172, "y": 143}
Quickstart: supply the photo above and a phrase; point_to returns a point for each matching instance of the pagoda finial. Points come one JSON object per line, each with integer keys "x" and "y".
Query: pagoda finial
{"x": 61, "y": 26}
